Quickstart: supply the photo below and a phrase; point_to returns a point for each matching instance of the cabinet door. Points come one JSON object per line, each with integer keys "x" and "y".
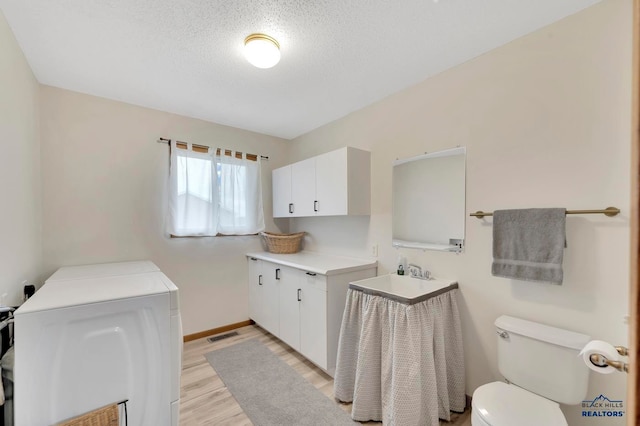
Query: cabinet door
{"x": 303, "y": 187}
{"x": 331, "y": 183}
{"x": 281, "y": 187}
{"x": 255, "y": 290}
{"x": 270, "y": 299}
{"x": 290, "y": 290}
{"x": 313, "y": 319}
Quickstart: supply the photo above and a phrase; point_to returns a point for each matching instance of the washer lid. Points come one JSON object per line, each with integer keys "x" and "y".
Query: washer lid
{"x": 64, "y": 294}
{"x": 500, "y": 404}
{"x": 103, "y": 270}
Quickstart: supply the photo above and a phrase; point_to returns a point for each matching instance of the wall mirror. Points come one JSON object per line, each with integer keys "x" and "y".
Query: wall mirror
{"x": 429, "y": 201}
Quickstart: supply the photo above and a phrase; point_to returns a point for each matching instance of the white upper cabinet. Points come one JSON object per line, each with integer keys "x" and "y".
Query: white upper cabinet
{"x": 331, "y": 184}
{"x": 303, "y": 183}
{"x": 282, "y": 198}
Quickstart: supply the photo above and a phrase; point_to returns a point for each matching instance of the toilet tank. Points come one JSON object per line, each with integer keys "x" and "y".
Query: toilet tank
{"x": 542, "y": 359}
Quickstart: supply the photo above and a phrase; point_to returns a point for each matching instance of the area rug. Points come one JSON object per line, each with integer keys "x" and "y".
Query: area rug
{"x": 271, "y": 392}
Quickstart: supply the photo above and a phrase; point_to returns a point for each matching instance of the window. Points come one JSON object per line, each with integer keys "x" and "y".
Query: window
{"x": 213, "y": 194}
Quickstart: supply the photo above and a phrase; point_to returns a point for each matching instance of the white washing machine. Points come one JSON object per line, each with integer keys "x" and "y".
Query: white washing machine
{"x": 83, "y": 343}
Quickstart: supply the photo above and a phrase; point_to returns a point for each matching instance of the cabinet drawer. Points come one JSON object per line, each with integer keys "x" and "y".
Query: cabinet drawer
{"x": 318, "y": 281}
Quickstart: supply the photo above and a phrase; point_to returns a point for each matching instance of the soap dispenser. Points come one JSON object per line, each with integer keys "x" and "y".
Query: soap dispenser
{"x": 402, "y": 261}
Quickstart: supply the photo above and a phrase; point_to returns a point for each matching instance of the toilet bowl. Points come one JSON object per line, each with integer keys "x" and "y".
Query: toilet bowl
{"x": 543, "y": 369}
{"x": 502, "y": 404}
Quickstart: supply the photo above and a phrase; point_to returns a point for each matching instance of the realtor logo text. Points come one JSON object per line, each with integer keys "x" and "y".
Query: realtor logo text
{"x": 601, "y": 406}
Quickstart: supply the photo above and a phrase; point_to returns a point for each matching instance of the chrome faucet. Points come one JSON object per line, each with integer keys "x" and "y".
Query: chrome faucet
{"x": 416, "y": 271}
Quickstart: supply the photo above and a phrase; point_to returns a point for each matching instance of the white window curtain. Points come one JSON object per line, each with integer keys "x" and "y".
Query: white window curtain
{"x": 240, "y": 196}
{"x": 211, "y": 195}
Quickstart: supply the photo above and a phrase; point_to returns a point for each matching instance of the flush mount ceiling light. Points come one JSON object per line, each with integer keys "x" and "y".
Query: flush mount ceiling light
{"x": 261, "y": 50}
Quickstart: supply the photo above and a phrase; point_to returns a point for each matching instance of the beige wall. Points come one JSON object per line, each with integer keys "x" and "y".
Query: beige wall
{"x": 545, "y": 120}
{"x": 104, "y": 198}
{"x": 21, "y": 212}
{"x": 546, "y": 123}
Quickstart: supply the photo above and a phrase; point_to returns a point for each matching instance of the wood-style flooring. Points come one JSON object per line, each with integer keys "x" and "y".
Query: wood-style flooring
{"x": 205, "y": 400}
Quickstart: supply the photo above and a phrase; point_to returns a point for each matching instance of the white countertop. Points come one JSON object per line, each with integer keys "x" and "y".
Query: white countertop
{"x": 319, "y": 263}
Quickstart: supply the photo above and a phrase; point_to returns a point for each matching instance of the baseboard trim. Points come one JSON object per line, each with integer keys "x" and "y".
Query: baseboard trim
{"x": 207, "y": 333}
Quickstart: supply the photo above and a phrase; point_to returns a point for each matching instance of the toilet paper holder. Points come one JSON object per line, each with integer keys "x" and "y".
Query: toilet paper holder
{"x": 600, "y": 360}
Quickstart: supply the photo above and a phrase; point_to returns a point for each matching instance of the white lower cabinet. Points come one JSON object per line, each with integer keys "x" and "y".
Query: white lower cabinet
{"x": 255, "y": 291}
{"x": 301, "y": 307}
{"x": 303, "y": 314}
{"x": 289, "y": 307}
{"x": 313, "y": 319}
{"x": 263, "y": 294}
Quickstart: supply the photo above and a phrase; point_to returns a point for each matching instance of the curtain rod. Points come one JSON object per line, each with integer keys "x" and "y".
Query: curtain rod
{"x": 168, "y": 141}
{"x": 609, "y": 211}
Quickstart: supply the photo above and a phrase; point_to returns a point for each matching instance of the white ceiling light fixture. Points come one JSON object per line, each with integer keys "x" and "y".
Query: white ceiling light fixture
{"x": 261, "y": 50}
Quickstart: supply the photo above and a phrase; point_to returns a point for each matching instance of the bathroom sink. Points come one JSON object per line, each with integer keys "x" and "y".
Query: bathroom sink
{"x": 403, "y": 288}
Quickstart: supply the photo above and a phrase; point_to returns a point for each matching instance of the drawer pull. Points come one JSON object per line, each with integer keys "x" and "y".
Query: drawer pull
{"x": 311, "y": 274}
{"x": 290, "y": 207}
{"x": 315, "y": 206}
{"x": 278, "y": 274}
{"x": 254, "y": 259}
{"x": 299, "y": 298}
{"x": 259, "y": 279}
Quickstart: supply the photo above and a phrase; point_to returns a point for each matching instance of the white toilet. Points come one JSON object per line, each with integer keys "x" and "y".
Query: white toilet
{"x": 542, "y": 366}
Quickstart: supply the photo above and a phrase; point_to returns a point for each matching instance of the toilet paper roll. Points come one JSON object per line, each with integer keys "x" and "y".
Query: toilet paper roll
{"x": 603, "y": 349}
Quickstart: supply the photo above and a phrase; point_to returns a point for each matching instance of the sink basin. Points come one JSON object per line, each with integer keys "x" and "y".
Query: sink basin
{"x": 403, "y": 288}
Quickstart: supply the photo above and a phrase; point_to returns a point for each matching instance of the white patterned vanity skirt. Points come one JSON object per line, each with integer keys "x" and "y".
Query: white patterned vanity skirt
{"x": 401, "y": 364}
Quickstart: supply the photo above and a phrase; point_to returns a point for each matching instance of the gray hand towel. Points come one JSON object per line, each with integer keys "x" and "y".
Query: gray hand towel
{"x": 528, "y": 244}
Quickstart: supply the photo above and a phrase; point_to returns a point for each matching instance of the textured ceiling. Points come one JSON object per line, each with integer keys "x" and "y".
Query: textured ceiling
{"x": 185, "y": 56}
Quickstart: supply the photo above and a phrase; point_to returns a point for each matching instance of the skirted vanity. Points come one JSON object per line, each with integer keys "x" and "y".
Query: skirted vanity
{"x": 400, "y": 357}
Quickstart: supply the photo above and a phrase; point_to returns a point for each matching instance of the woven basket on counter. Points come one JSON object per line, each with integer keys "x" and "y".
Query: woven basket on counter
{"x": 283, "y": 243}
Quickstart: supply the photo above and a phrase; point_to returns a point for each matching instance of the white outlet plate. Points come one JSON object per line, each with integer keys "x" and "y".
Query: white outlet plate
{"x": 374, "y": 250}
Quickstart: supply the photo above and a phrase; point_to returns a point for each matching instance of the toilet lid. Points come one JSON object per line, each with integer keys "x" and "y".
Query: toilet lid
{"x": 500, "y": 404}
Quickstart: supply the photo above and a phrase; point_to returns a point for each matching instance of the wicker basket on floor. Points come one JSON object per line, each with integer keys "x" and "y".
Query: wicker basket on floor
{"x": 283, "y": 243}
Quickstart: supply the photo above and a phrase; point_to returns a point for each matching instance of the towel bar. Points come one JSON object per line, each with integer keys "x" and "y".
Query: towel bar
{"x": 609, "y": 211}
